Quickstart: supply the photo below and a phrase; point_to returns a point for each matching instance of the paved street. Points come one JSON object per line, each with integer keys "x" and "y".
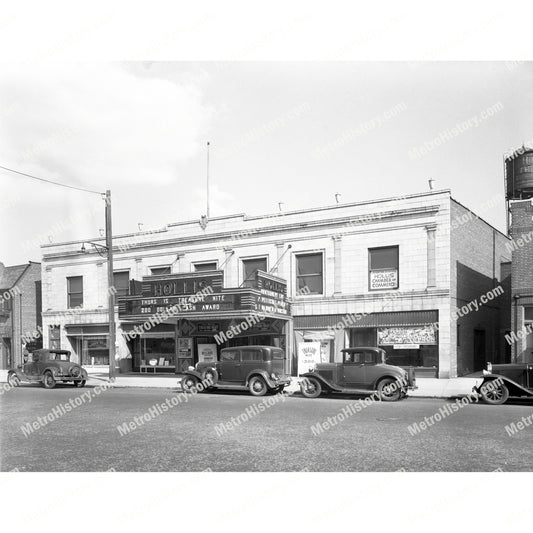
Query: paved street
{"x": 278, "y": 438}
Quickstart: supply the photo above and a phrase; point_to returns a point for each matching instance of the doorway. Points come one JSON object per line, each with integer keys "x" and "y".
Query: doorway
{"x": 480, "y": 355}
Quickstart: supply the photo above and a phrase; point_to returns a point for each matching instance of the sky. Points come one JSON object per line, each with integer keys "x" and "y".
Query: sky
{"x": 291, "y": 132}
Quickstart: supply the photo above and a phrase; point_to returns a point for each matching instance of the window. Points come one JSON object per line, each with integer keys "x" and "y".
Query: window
{"x": 202, "y": 267}
{"x": 309, "y": 273}
{"x": 121, "y": 282}
{"x": 74, "y": 292}
{"x": 369, "y": 357}
{"x": 250, "y": 267}
{"x": 95, "y": 350}
{"x": 383, "y": 268}
{"x": 353, "y": 357}
{"x": 230, "y": 356}
{"x": 54, "y": 338}
{"x": 160, "y": 271}
{"x": 251, "y": 355}
{"x": 278, "y": 354}
{"x": 5, "y": 301}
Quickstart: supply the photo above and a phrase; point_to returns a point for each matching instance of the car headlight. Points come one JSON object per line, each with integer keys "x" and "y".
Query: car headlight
{"x": 274, "y": 376}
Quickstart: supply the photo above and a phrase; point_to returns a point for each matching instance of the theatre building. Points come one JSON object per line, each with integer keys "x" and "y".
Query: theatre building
{"x": 387, "y": 273}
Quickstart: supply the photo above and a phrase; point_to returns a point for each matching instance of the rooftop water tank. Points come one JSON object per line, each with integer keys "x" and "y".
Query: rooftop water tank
{"x": 519, "y": 174}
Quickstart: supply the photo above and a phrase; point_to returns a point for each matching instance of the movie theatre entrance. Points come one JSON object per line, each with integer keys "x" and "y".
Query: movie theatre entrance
{"x": 169, "y": 328}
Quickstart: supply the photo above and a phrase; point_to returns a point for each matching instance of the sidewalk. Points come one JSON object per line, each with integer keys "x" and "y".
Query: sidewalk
{"x": 427, "y": 387}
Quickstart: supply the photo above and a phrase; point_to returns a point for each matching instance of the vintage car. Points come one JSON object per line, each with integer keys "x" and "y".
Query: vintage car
{"x": 363, "y": 371}
{"x": 501, "y": 382}
{"x": 48, "y": 367}
{"x": 258, "y": 369}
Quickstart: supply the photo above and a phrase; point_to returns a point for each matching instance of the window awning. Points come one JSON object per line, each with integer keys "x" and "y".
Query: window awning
{"x": 87, "y": 330}
{"x": 372, "y": 320}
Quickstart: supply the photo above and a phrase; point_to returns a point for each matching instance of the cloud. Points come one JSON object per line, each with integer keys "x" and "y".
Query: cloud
{"x": 93, "y": 123}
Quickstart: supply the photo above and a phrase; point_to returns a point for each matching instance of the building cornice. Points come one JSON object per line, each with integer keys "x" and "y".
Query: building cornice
{"x": 343, "y": 222}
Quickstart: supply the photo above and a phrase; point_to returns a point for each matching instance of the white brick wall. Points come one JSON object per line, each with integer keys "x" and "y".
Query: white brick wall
{"x": 404, "y": 225}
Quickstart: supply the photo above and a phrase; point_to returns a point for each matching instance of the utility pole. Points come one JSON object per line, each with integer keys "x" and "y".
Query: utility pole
{"x": 207, "y": 213}
{"x": 110, "y": 284}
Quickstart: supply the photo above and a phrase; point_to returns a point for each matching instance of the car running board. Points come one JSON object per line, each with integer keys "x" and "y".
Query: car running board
{"x": 230, "y": 386}
{"x": 362, "y": 392}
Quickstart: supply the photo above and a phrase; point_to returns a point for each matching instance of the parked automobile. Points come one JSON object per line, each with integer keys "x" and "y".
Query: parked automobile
{"x": 363, "y": 371}
{"x": 501, "y": 382}
{"x": 258, "y": 369}
{"x": 48, "y": 367}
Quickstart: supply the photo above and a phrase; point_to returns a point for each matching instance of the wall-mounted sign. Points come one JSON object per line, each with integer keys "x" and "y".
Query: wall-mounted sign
{"x": 207, "y": 353}
{"x": 406, "y": 346}
{"x": 181, "y": 284}
{"x": 383, "y": 279}
{"x": 208, "y": 327}
{"x": 407, "y": 335}
{"x": 308, "y": 356}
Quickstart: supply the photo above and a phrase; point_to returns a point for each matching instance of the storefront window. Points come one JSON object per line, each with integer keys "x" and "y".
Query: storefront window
{"x": 95, "y": 351}
{"x": 309, "y": 273}
{"x": 250, "y": 267}
{"x": 383, "y": 268}
{"x": 162, "y": 350}
{"x": 75, "y": 291}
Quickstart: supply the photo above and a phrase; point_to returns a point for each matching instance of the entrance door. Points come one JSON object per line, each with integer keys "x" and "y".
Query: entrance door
{"x": 480, "y": 356}
{"x": 528, "y": 356}
{"x": 6, "y": 353}
{"x": 230, "y": 366}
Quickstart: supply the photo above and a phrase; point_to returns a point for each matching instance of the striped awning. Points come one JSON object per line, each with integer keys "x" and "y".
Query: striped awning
{"x": 372, "y": 320}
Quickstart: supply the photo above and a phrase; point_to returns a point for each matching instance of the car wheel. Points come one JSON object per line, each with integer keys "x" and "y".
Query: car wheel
{"x": 80, "y": 383}
{"x": 188, "y": 383}
{"x": 210, "y": 374}
{"x": 389, "y": 390}
{"x": 48, "y": 380}
{"x": 494, "y": 395}
{"x": 310, "y": 387}
{"x": 13, "y": 380}
{"x": 257, "y": 386}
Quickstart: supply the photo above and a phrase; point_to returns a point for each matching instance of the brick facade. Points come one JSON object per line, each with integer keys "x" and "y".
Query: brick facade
{"x": 521, "y": 230}
{"x": 23, "y": 312}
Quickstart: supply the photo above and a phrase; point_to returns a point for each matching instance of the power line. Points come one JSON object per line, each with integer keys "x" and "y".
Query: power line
{"x": 50, "y": 181}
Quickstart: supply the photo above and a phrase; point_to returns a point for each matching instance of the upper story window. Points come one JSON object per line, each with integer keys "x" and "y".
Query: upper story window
{"x": 202, "y": 267}
{"x": 5, "y": 300}
{"x": 383, "y": 268}
{"x": 74, "y": 291}
{"x": 121, "y": 282}
{"x": 160, "y": 270}
{"x": 310, "y": 273}
{"x": 250, "y": 267}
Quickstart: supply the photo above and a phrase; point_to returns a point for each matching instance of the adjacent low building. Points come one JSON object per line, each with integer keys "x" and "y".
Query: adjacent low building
{"x": 402, "y": 273}
{"x": 20, "y": 311}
